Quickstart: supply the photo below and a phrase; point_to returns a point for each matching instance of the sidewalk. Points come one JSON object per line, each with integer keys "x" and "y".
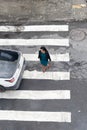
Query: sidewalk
{"x": 42, "y": 10}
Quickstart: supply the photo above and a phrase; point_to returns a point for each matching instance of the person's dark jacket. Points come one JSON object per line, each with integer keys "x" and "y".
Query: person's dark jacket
{"x": 47, "y": 55}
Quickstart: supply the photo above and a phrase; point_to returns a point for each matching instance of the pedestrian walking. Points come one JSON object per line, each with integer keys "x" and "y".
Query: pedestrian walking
{"x": 44, "y": 58}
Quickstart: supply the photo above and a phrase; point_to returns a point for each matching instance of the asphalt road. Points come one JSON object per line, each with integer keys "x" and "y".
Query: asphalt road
{"x": 77, "y": 85}
{"x": 77, "y": 106}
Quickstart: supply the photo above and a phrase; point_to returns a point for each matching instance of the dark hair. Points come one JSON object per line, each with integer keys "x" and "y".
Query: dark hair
{"x": 44, "y": 48}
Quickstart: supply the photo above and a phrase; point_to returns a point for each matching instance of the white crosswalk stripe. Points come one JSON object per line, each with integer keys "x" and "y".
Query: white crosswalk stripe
{"x": 34, "y": 42}
{"x": 35, "y": 116}
{"x": 47, "y": 75}
{"x": 34, "y": 28}
{"x": 41, "y": 116}
{"x": 36, "y": 95}
{"x": 54, "y": 57}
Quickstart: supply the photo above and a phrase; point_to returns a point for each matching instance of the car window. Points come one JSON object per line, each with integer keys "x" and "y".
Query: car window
{"x": 6, "y": 55}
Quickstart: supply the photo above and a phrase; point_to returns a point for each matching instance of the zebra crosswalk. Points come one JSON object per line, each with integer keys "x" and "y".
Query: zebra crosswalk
{"x": 41, "y": 116}
{"x": 31, "y": 28}
{"x": 35, "y": 116}
{"x": 34, "y": 42}
{"x": 36, "y": 95}
{"x": 55, "y": 57}
{"x": 47, "y": 75}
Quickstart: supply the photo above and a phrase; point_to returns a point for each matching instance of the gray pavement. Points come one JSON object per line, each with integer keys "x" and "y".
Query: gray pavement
{"x": 77, "y": 49}
{"x": 77, "y": 105}
{"x": 78, "y": 41}
{"x": 28, "y": 11}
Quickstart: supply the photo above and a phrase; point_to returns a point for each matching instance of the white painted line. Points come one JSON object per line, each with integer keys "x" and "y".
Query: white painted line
{"x": 36, "y": 95}
{"x": 47, "y": 75}
{"x": 32, "y": 28}
{"x": 34, "y": 42}
{"x": 35, "y": 116}
{"x": 54, "y": 57}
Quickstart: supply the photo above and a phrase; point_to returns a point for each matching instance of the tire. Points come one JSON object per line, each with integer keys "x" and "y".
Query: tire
{"x": 2, "y": 89}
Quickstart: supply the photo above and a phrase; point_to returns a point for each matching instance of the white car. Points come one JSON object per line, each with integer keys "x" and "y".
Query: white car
{"x": 12, "y": 65}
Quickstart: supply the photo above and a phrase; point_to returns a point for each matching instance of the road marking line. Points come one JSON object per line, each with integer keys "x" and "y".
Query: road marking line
{"x": 35, "y": 116}
{"x": 34, "y": 42}
{"x": 32, "y": 28}
{"x": 36, "y": 95}
{"x": 54, "y": 57}
{"x": 47, "y": 75}
{"x": 78, "y": 6}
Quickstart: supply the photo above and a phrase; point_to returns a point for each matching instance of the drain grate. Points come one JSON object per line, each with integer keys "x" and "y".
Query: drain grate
{"x": 77, "y": 35}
